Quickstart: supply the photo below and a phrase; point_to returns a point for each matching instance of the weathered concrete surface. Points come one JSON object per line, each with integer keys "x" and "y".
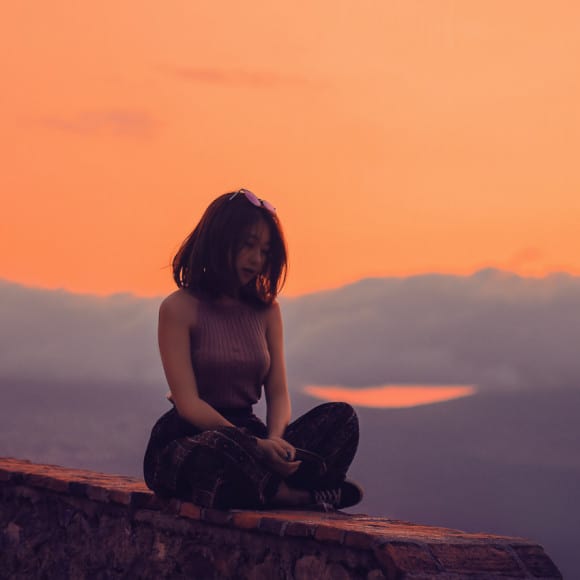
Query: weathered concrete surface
{"x": 69, "y": 523}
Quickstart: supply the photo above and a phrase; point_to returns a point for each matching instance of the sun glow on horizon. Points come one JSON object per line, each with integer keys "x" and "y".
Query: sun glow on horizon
{"x": 391, "y": 396}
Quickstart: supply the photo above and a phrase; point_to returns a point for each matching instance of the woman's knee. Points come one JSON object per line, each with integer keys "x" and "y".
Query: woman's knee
{"x": 339, "y": 410}
{"x": 213, "y": 437}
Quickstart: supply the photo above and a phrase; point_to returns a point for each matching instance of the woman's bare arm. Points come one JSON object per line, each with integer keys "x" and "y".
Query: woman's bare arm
{"x": 275, "y": 387}
{"x": 177, "y": 317}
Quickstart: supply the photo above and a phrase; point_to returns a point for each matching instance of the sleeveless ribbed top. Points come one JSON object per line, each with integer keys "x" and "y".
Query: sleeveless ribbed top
{"x": 229, "y": 354}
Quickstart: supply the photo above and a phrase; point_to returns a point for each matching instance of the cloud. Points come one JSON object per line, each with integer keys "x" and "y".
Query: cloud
{"x": 57, "y": 335}
{"x": 116, "y": 122}
{"x": 493, "y": 329}
{"x": 525, "y": 257}
{"x": 232, "y": 77}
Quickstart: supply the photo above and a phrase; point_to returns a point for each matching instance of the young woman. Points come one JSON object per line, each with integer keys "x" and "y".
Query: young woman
{"x": 220, "y": 339}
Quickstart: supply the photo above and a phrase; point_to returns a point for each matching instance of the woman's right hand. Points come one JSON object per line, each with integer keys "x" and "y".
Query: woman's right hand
{"x": 275, "y": 456}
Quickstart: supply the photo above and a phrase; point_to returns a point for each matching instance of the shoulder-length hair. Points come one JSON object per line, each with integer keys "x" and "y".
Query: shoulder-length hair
{"x": 205, "y": 263}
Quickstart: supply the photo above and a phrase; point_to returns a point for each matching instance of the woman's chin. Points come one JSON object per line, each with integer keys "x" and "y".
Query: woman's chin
{"x": 247, "y": 281}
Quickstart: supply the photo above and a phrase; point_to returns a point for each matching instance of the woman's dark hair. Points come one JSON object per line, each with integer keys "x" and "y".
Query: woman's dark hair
{"x": 205, "y": 263}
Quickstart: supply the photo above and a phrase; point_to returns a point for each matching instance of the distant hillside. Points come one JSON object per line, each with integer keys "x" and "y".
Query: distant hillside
{"x": 493, "y": 329}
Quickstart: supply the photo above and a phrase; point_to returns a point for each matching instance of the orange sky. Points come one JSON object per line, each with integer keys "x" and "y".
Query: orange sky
{"x": 393, "y": 137}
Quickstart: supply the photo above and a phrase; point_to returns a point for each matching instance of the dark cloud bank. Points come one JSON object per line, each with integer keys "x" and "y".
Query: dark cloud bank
{"x": 81, "y": 384}
{"x": 493, "y": 329}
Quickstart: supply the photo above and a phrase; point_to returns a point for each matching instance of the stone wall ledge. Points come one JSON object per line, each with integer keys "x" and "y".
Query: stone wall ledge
{"x": 48, "y": 513}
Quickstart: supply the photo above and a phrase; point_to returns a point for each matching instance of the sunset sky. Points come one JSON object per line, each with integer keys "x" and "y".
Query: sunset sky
{"x": 393, "y": 137}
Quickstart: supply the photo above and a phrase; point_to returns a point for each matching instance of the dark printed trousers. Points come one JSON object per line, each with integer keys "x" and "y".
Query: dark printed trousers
{"x": 223, "y": 468}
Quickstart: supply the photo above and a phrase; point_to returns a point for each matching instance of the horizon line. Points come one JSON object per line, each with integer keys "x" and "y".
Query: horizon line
{"x": 283, "y": 295}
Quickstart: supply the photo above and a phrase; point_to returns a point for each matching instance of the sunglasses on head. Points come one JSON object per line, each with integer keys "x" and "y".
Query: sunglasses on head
{"x": 255, "y": 200}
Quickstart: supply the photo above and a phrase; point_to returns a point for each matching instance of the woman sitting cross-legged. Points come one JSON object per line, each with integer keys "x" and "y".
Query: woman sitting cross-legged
{"x": 221, "y": 342}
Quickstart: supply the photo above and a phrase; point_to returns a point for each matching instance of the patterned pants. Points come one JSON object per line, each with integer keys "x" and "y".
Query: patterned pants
{"x": 223, "y": 468}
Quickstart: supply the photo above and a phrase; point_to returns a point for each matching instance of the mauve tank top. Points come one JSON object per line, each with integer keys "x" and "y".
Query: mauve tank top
{"x": 229, "y": 354}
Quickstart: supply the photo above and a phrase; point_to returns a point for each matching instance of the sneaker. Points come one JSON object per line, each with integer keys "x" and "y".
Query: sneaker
{"x": 347, "y": 495}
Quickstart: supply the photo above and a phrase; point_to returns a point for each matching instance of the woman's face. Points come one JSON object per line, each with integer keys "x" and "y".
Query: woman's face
{"x": 253, "y": 254}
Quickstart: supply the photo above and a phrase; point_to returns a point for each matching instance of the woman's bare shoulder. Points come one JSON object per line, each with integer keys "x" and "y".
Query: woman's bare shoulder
{"x": 180, "y": 305}
{"x": 272, "y": 312}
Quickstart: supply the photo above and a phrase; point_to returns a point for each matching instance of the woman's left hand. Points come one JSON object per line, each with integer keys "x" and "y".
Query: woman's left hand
{"x": 276, "y": 455}
{"x": 285, "y": 450}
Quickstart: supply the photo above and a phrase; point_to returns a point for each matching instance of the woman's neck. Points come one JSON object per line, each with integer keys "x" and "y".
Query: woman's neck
{"x": 227, "y": 300}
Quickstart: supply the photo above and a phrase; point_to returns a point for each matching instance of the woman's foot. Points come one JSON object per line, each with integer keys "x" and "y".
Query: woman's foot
{"x": 290, "y": 497}
{"x": 346, "y": 495}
